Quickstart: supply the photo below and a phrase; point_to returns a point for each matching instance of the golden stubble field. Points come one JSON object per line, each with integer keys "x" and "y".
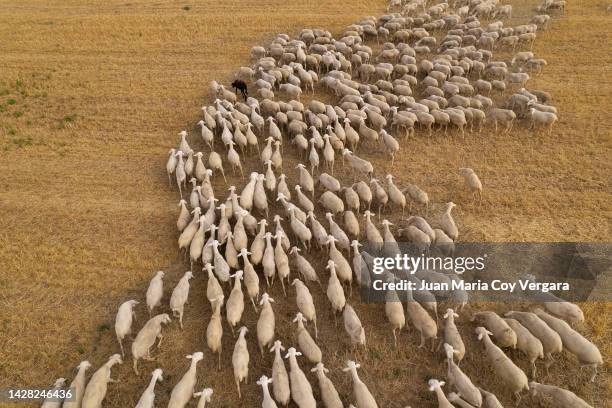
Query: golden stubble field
{"x": 92, "y": 95}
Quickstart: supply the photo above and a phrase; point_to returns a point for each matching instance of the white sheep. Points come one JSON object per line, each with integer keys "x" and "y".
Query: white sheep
{"x": 98, "y": 383}
{"x": 452, "y": 335}
{"x": 178, "y": 299}
{"x": 304, "y": 267}
{"x": 304, "y": 302}
{"x": 472, "y": 181}
{"x": 550, "y": 339}
{"x": 145, "y": 339}
{"x": 214, "y": 330}
{"x": 459, "y": 380}
{"x": 352, "y": 326}
{"x": 561, "y": 398}
{"x": 421, "y": 320}
{"x": 527, "y": 343}
{"x": 155, "y": 291}
{"x": 267, "y": 402}
{"x": 78, "y": 386}
{"x": 53, "y": 401}
{"x": 251, "y": 279}
{"x": 240, "y": 359}
{"x": 204, "y": 396}
{"x": 183, "y": 218}
{"x": 363, "y": 396}
{"x": 447, "y": 223}
{"x": 280, "y": 386}
{"x": 309, "y": 347}
{"x": 504, "y": 335}
{"x": 394, "y": 311}
{"x": 436, "y": 386}
{"x": 329, "y": 394}
{"x": 266, "y": 323}
{"x": 586, "y": 352}
{"x": 123, "y": 321}
{"x": 511, "y": 376}
{"x": 543, "y": 119}
{"x": 147, "y": 399}
{"x": 489, "y": 400}
{"x": 235, "y": 302}
{"x": 301, "y": 391}
{"x": 334, "y": 291}
{"x": 183, "y": 390}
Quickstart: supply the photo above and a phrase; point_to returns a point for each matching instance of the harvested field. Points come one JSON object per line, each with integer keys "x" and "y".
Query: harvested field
{"x": 92, "y": 96}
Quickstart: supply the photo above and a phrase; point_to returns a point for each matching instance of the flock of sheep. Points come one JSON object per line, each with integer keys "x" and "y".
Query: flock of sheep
{"x": 441, "y": 52}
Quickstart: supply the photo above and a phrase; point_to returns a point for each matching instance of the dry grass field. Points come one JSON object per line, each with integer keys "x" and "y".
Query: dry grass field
{"x": 92, "y": 96}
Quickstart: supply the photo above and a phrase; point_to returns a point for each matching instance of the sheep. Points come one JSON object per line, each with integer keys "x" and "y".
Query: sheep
{"x": 329, "y": 182}
{"x": 417, "y": 195}
{"x": 178, "y": 299}
{"x": 452, "y": 336}
{"x": 305, "y": 180}
{"x": 183, "y": 390}
{"x": 329, "y": 395}
{"x": 459, "y": 380}
{"x": 363, "y": 396}
{"x": 215, "y": 163}
{"x": 586, "y": 352}
{"x": 504, "y": 335}
{"x": 421, "y": 320}
{"x": 417, "y": 237}
{"x": 334, "y": 291}
{"x": 221, "y": 266}
{"x": 301, "y": 391}
{"x": 266, "y": 323}
{"x": 197, "y": 242}
{"x": 281, "y": 260}
{"x": 447, "y": 223}
{"x": 394, "y": 311}
{"x": 235, "y": 302}
{"x": 240, "y": 359}
{"x": 309, "y": 347}
{"x": 145, "y": 339}
{"x": 550, "y": 339}
{"x": 304, "y": 268}
{"x": 396, "y": 196}
{"x": 331, "y": 202}
{"x": 171, "y": 164}
{"x": 96, "y": 387}
{"x": 78, "y": 386}
{"x": 503, "y": 116}
{"x": 318, "y": 231}
{"x": 352, "y": 326}
{"x": 527, "y": 343}
{"x": 456, "y": 399}
{"x": 342, "y": 266}
{"x": 53, "y": 401}
{"x": 123, "y": 321}
{"x": 562, "y": 398}
{"x": 214, "y": 330}
{"x": 304, "y": 302}
{"x": 268, "y": 402}
{"x": 147, "y": 399}
{"x": 358, "y": 164}
{"x": 280, "y": 386}
{"x": 204, "y": 396}
{"x": 472, "y": 181}
{"x": 190, "y": 230}
{"x": 489, "y": 400}
{"x": 183, "y": 218}
{"x": 512, "y": 377}
{"x": 302, "y": 200}
{"x": 180, "y": 174}
{"x": 544, "y": 119}
{"x": 443, "y": 242}
{"x": 299, "y": 229}
{"x": 568, "y": 311}
{"x": 339, "y": 235}
{"x": 436, "y": 386}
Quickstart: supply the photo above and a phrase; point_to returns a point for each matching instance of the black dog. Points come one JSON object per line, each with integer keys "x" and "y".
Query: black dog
{"x": 241, "y": 86}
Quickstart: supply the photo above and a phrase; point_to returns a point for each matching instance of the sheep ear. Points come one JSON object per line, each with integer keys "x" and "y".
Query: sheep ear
{"x": 455, "y": 315}
{"x": 442, "y": 383}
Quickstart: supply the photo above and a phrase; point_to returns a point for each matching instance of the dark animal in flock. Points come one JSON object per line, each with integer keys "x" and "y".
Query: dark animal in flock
{"x": 241, "y": 86}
